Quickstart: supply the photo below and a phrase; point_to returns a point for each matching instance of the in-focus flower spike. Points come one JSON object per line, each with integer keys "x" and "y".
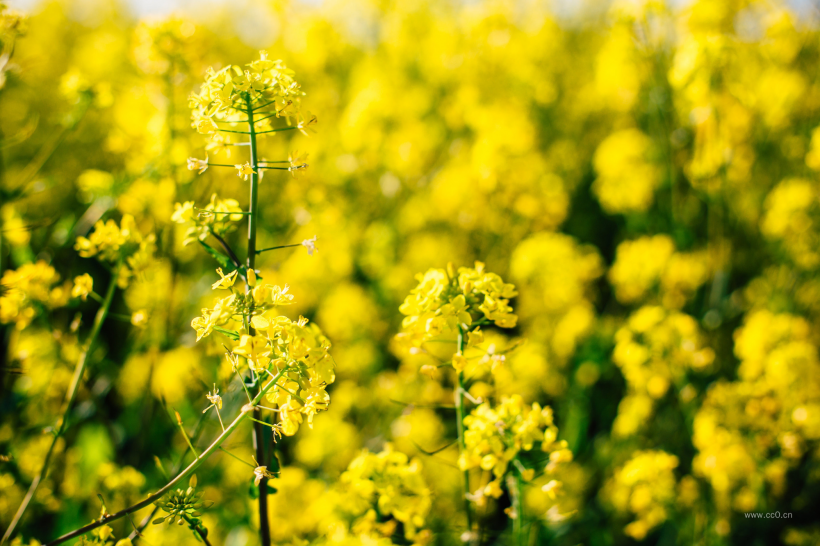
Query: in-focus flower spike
{"x": 446, "y": 300}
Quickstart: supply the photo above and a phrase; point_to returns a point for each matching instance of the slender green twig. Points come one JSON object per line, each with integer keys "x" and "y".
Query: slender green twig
{"x": 235, "y": 457}
{"x": 514, "y": 484}
{"x": 204, "y": 212}
{"x": 459, "y": 402}
{"x": 67, "y": 406}
{"x": 280, "y": 129}
{"x": 246, "y": 410}
{"x": 182, "y": 429}
{"x": 278, "y": 247}
{"x": 229, "y": 131}
{"x": 199, "y": 532}
{"x": 234, "y": 259}
{"x": 135, "y": 534}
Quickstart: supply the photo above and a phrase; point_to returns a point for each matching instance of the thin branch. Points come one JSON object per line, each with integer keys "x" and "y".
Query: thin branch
{"x": 246, "y": 410}
{"x": 276, "y": 130}
{"x": 278, "y": 247}
{"x": 230, "y": 253}
{"x": 235, "y": 457}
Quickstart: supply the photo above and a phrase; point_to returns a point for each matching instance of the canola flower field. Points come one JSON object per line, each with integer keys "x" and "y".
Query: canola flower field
{"x": 373, "y": 273}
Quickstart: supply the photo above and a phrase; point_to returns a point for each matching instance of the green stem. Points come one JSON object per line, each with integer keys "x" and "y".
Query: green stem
{"x": 198, "y": 530}
{"x": 277, "y": 247}
{"x": 246, "y": 410}
{"x": 275, "y": 130}
{"x": 459, "y": 401}
{"x": 68, "y": 405}
{"x": 258, "y": 431}
{"x": 222, "y": 449}
{"x": 136, "y": 533}
{"x": 514, "y": 483}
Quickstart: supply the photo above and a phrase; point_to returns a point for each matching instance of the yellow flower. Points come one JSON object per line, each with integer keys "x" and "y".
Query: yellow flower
{"x": 244, "y": 170}
{"x": 226, "y": 281}
{"x": 140, "y": 318}
{"x": 260, "y": 473}
{"x": 255, "y": 349}
{"x": 83, "y": 286}
{"x": 200, "y": 165}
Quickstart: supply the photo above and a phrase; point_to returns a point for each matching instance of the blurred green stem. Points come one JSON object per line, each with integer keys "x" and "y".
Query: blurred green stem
{"x": 514, "y": 484}
{"x": 69, "y": 403}
{"x": 459, "y": 401}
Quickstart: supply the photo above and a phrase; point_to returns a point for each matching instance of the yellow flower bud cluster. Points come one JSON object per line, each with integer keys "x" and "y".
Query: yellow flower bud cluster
{"x": 444, "y": 300}
{"x": 219, "y": 217}
{"x": 645, "y": 263}
{"x": 495, "y": 435}
{"x": 304, "y": 351}
{"x": 557, "y": 274}
{"x": 655, "y": 350}
{"x": 750, "y": 432}
{"x": 227, "y": 92}
{"x": 626, "y": 178}
{"x": 390, "y": 485}
{"x": 29, "y": 289}
{"x": 83, "y": 286}
{"x": 644, "y": 486}
{"x": 791, "y": 219}
{"x": 159, "y": 45}
{"x": 121, "y": 244}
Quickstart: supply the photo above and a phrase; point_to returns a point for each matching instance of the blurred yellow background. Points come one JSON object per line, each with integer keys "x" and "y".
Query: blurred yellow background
{"x": 645, "y": 173}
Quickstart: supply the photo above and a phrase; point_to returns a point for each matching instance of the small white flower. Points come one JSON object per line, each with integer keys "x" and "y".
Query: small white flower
{"x": 198, "y": 164}
{"x": 310, "y": 244}
{"x": 261, "y": 472}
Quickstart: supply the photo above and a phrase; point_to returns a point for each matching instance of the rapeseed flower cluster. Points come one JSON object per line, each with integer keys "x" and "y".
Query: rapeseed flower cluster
{"x": 655, "y": 351}
{"x": 121, "y": 246}
{"x": 751, "y": 432}
{"x": 218, "y": 218}
{"x": 644, "y": 487}
{"x": 234, "y": 90}
{"x": 444, "y": 300}
{"x": 30, "y": 289}
{"x": 495, "y": 436}
{"x": 386, "y": 485}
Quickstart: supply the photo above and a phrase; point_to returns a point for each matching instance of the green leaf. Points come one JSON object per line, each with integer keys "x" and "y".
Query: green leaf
{"x": 272, "y": 490}
{"x": 224, "y": 261}
{"x": 234, "y": 335}
{"x": 274, "y": 465}
{"x": 158, "y": 521}
{"x": 253, "y": 491}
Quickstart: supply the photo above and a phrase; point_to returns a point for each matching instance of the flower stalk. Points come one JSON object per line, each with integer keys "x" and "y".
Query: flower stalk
{"x": 246, "y": 410}
{"x": 71, "y": 395}
{"x": 459, "y": 402}
{"x": 258, "y": 431}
